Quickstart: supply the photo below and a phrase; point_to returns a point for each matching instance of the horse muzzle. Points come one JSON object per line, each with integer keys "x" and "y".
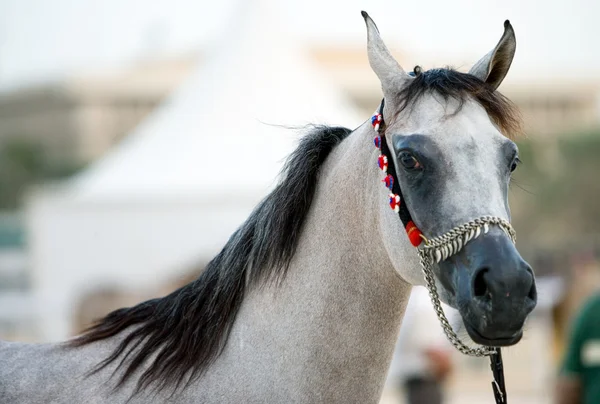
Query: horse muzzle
{"x": 494, "y": 288}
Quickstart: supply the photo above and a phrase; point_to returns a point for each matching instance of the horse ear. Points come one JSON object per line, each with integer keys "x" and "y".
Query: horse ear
{"x": 381, "y": 60}
{"x": 492, "y": 68}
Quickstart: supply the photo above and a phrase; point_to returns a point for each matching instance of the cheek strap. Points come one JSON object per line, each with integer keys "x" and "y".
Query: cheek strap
{"x": 385, "y": 162}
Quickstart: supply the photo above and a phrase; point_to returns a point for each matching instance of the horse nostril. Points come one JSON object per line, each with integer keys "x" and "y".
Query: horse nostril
{"x": 480, "y": 288}
{"x": 532, "y": 292}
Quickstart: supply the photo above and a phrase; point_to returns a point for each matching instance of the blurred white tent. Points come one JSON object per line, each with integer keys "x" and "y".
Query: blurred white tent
{"x": 172, "y": 192}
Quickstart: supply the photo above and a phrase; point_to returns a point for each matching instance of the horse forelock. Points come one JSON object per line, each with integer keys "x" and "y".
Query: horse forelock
{"x": 451, "y": 84}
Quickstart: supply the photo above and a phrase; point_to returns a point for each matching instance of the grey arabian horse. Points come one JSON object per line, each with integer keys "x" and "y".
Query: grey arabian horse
{"x": 305, "y": 301}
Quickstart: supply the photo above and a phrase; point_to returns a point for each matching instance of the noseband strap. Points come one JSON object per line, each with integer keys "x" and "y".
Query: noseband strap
{"x": 437, "y": 249}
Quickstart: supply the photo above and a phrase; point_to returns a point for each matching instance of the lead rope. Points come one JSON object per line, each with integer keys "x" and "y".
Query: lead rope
{"x": 438, "y": 249}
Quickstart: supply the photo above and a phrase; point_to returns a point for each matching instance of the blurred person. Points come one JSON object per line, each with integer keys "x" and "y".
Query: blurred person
{"x": 579, "y": 377}
{"x": 422, "y": 359}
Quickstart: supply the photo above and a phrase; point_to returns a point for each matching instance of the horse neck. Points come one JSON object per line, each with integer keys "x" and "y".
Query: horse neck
{"x": 340, "y": 306}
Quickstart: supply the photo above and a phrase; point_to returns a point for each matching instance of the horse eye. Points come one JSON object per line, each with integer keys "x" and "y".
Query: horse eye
{"x": 515, "y": 164}
{"x": 408, "y": 161}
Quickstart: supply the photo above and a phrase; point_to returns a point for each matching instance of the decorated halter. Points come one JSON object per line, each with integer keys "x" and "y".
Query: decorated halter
{"x": 435, "y": 250}
{"x": 386, "y": 164}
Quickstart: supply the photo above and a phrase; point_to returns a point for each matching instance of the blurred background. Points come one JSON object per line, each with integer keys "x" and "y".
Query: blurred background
{"x": 124, "y": 124}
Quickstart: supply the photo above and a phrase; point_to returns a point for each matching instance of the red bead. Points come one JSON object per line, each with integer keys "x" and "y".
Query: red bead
{"x": 395, "y": 202}
{"x": 382, "y": 162}
{"x": 414, "y": 234}
{"x": 375, "y": 119}
{"x": 377, "y": 142}
{"x": 389, "y": 181}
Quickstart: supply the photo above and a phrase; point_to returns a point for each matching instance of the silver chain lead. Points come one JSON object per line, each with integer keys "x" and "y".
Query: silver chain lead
{"x": 440, "y": 248}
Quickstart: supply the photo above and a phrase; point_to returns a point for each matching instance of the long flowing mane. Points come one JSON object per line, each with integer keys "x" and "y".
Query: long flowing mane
{"x": 186, "y": 331}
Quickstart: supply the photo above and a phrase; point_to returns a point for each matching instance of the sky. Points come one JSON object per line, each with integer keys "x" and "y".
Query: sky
{"x": 42, "y": 40}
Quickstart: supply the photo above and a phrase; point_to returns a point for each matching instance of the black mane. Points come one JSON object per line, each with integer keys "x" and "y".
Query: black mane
{"x": 186, "y": 331}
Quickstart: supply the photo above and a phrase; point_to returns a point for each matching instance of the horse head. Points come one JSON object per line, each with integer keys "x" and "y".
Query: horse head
{"x": 450, "y": 138}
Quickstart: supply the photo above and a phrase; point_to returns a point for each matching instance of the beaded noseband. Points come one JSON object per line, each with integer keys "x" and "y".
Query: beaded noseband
{"x": 437, "y": 249}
